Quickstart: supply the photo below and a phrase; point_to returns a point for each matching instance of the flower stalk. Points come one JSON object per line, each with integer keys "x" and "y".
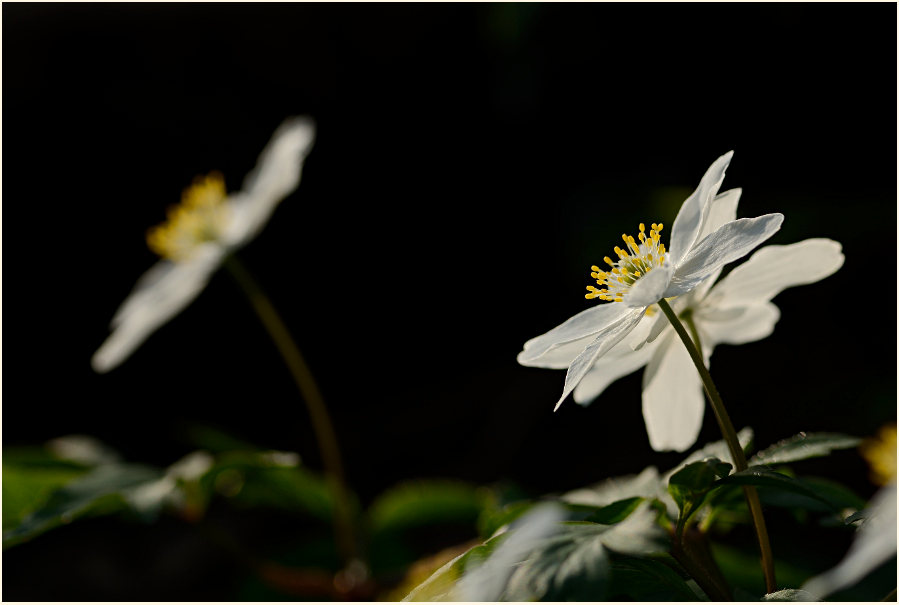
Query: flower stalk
{"x": 730, "y": 437}
{"x": 315, "y": 404}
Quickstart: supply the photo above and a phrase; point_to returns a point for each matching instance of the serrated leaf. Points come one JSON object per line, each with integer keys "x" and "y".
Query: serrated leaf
{"x": 789, "y": 594}
{"x": 418, "y": 503}
{"x": 573, "y": 566}
{"x": 765, "y": 477}
{"x": 802, "y": 446}
{"x": 105, "y": 489}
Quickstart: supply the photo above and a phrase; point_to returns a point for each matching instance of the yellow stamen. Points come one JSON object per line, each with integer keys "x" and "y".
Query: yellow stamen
{"x": 200, "y": 217}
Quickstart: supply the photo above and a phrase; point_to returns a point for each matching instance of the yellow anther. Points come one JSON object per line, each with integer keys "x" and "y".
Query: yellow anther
{"x": 659, "y": 228}
{"x": 609, "y": 261}
{"x": 642, "y": 227}
{"x": 594, "y": 268}
{"x": 637, "y": 273}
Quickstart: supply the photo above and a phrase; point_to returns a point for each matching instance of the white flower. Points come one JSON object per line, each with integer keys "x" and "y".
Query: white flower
{"x": 875, "y": 540}
{"x": 645, "y": 272}
{"x": 736, "y": 310}
{"x": 199, "y": 233}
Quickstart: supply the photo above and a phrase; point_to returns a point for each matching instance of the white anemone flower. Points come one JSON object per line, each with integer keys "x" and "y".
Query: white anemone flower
{"x": 875, "y": 541}
{"x": 200, "y": 232}
{"x": 736, "y": 310}
{"x": 645, "y": 272}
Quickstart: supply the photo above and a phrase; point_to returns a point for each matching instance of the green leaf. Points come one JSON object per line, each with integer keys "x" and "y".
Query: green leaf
{"x": 765, "y": 477}
{"x": 441, "y": 586}
{"x": 690, "y": 485}
{"x": 831, "y": 496}
{"x": 645, "y": 579}
{"x": 802, "y": 446}
{"x": 789, "y": 594}
{"x": 419, "y": 503}
{"x": 27, "y": 488}
{"x": 571, "y": 567}
{"x": 492, "y": 518}
{"x": 104, "y": 490}
{"x": 614, "y": 512}
{"x": 269, "y": 480}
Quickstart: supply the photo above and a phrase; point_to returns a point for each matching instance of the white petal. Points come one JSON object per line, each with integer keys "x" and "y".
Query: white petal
{"x": 649, "y": 288}
{"x": 693, "y": 212}
{"x": 874, "y": 544}
{"x": 609, "y": 369}
{"x": 775, "y": 268}
{"x": 558, "y": 357}
{"x": 163, "y": 292}
{"x": 673, "y": 403}
{"x": 603, "y": 343}
{"x": 276, "y": 175}
{"x": 737, "y": 325}
{"x": 722, "y": 211}
{"x": 586, "y": 323}
{"x": 728, "y": 243}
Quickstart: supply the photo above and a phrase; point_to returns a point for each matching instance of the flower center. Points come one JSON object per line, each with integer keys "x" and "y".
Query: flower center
{"x": 638, "y": 257}
{"x": 200, "y": 217}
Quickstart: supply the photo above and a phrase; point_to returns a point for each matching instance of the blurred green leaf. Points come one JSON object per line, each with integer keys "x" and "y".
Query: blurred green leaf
{"x": 492, "y": 518}
{"x": 103, "y": 490}
{"x": 26, "y": 488}
{"x": 614, "y": 512}
{"x": 525, "y": 563}
{"x": 419, "y": 503}
{"x": 802, "y": 446}
{"x": 441, "y": 585}
{"x": 271, "y": 480}
{"x": 573, "y": 566}
{"x": 645, "y": 579}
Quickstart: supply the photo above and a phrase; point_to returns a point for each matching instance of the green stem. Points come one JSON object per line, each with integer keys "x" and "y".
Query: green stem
{"x": 315, "y": 404}
{"x": 730, "y": 437}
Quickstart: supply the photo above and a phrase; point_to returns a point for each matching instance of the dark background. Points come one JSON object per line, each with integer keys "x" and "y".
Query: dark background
{"x": 472, "y": 161}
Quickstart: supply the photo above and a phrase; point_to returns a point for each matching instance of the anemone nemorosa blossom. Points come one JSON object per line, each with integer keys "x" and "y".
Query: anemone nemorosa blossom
{"x": 200, "y": 232}
{"x": 705, "y": 236}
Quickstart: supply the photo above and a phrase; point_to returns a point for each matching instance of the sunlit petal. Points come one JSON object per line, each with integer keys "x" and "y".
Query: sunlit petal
{"x": 730, "y": 242}
{"x": 748, "y": 324}
{"x": 774, "y": 268}
{"x": 673, "y": 403}
{"x": 277, "y": 174}
{"x": 605, "y": 341}
{"x": 153, "y": 302}
{"x": 694, "y": 211}
{"x": 586, "y": 323}
{"x": 609, "y": 369}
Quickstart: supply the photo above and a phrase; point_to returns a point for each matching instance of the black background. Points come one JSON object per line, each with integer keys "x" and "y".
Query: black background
{"x": 472, "y": 161}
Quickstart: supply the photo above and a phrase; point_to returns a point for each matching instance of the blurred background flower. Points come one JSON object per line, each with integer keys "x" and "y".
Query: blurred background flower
{"x": 467, "y": 157}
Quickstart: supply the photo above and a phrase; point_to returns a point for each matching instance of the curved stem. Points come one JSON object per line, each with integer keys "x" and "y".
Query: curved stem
{"x": 730, "y": 437}
{"x": 315, "y": 404}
